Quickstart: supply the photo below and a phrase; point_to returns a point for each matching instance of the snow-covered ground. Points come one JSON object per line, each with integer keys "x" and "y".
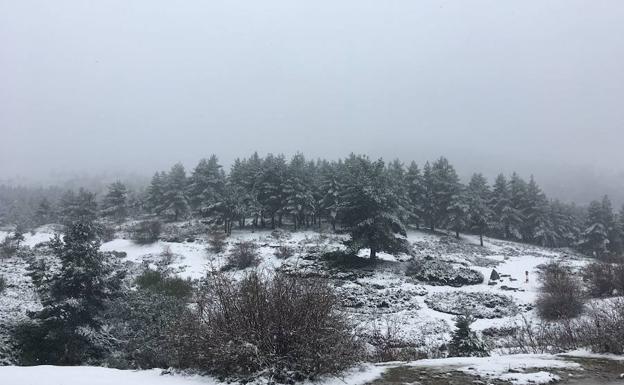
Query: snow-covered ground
{"x": 81, "y": 375}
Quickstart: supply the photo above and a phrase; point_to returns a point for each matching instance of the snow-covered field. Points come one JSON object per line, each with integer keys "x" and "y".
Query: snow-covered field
{"x": 374, "y": 296}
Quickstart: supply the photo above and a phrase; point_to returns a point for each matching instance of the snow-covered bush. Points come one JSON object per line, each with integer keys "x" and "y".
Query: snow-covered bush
{"x": 217, "y": 242}
{"x": 243, "y": 254}
{"x": 146, "y": 326}
{"x": 477, "y": 304}
{"x": 604, "y": 279}
{"x": 146, "y": 232}
{"x": 159, "y": 282}
{"x": 561, "y": 293}
{"x": 285, "y": 328}
{"x": 465, "y": 342}
{"x": 284, "y": 252}
{"x": 442, "y": 273}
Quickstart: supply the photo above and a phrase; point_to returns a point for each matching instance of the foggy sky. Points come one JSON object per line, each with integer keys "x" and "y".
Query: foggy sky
{"x": 136, "y": 85}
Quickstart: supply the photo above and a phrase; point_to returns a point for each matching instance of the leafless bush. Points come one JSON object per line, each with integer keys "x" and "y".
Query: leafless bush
{"x": 283, "y": 327}
{"x": 561, "y": 295}
{"x": 217, "y": 242}
{"x": 603, "y": 330}
{"x": 539, "y": 336}
{"x": 284, "y": 252}
{"x": 389, "y": 346}
{"x": 244, "y": 254}
{"x": 604, "y": 279}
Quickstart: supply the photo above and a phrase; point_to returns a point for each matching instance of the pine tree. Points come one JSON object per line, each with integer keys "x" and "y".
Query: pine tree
{"x": 397, "y": 180}
{"x": 464, "y": 341}
{"x": 507, "y": 221}
{"x": 206, "y": 184}
{"x": 369, "y": 209}
{"x": 81, "y": 207}
{"x": 45, "y": 212}
{"x": 155, "y": 196}
{"x": 175, "y": 197}
{"x": 595, "y": 237}
{"x": 537, "y": 222}
{"x": 479, "y": 213}
{"x": 330, "y": 191}
{"x": 271, "y": 188}
{"x": 416, "y": 194}
{"x": 297, "y": 190}
{"x": 442, "y": 187}
{"x": 115, "y": 203}
{"x": 67, "y": 329}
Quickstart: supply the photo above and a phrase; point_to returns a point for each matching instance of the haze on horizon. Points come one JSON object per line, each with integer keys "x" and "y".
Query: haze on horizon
{"x": 135, "y": 86}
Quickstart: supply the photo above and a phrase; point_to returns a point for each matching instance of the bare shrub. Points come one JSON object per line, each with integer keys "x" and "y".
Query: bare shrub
{"x": 3, "y": 284}
{"x": 538, "y": 337}
{"x": 601, "y": 279}
{"x": 146, "y": 232}
{"x": 286, "y": 328}
{"x": 388, "y": 345}
{"x": 217, "y": 242}
{"x": 561, "y": 294}
{"x": 284, "y": 252}
{"x": 244, "y": 254}
{"x": 603, "y": 329}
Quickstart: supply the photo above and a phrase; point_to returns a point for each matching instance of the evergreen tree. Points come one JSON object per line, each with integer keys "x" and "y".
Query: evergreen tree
{"x": 206, "y": 184}
{"x": 415, "y": 193}
{"x": 457, "y": 216}
{"x": 330, "y": 191}
{"x": 68, "y": 328}
{"x": 297, "y": 190}
{"x": 80, "y": 207}
{"x": 271, "y": 188}
{"x": 45, "y": 212}
{"x": 175, "y": 197}
{"x": 537, "y": 222}
{"x": 115, "y": 203}
{"x": 155, "y": 196}
{"x": 428, "y": 194}
{"x": 595, "y": 237}
{"x": 369, "y": 209}
{"x": 397, "y": 179}
{"x": 464, "y": 341}
{"x": 442, "y": 189}
{"x": 508, "y": 220}
{"x": 479, "y": 213}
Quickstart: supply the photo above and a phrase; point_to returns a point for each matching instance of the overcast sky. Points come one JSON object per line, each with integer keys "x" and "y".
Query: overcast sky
{"x": 136, "y": 85}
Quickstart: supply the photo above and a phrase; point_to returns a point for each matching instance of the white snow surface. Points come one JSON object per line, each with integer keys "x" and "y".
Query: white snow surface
{"x": 518, "y": 369}
{"x": 80, "y": 375}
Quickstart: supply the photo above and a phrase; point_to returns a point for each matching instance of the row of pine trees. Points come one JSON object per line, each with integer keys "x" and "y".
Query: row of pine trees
{"x": 273, "y": 192}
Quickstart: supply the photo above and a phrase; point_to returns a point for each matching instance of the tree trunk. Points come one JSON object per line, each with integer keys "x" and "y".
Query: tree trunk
{"x": 481, "y": 239}
{"x": 457, "y": 234}
{"x": 373, "y": 253}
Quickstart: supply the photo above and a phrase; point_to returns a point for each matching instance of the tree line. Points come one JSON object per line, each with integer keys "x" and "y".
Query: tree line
{"x": 374, "y": 200}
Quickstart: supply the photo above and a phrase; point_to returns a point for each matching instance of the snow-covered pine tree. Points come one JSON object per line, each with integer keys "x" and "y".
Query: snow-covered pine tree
{"x": 428, "y": 194}
{"x": 44, "y": 213}
{"x": 537, "y": 222}
{"x": 155, "y": 194}
{"x": 594, "y": 238}
{"x": 80, "y": 207}
{"x": 330, "y": 191}
{"x": 67, "y": 330}
{"x": 297, "y": 191}
{"x": 369, "y": 208}
{"x": 416, "y": 194}
{"x": 464, "y": 341}
{"x": 206, "y": 185}
{"x": 507, "y": 220}
{"x": 271, "y": 187}
{"x": 444, "y": 190}
{"x": 398, "y": 183}
{"x": 176, "y": 205}
{"x": 115, "y": 203}
{"x": 479, "y": 212}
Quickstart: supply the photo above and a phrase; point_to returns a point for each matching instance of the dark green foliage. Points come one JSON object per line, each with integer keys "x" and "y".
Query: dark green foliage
{"x": 115, "y": 203}
{"x": 146, "y": 232}
{"x": 370, "y": 210}
{"x": 159, "y": 282}
{"x": 464, "y": 341}
{"x": 78, "y": 207}
{"x": 67, "y": 330}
